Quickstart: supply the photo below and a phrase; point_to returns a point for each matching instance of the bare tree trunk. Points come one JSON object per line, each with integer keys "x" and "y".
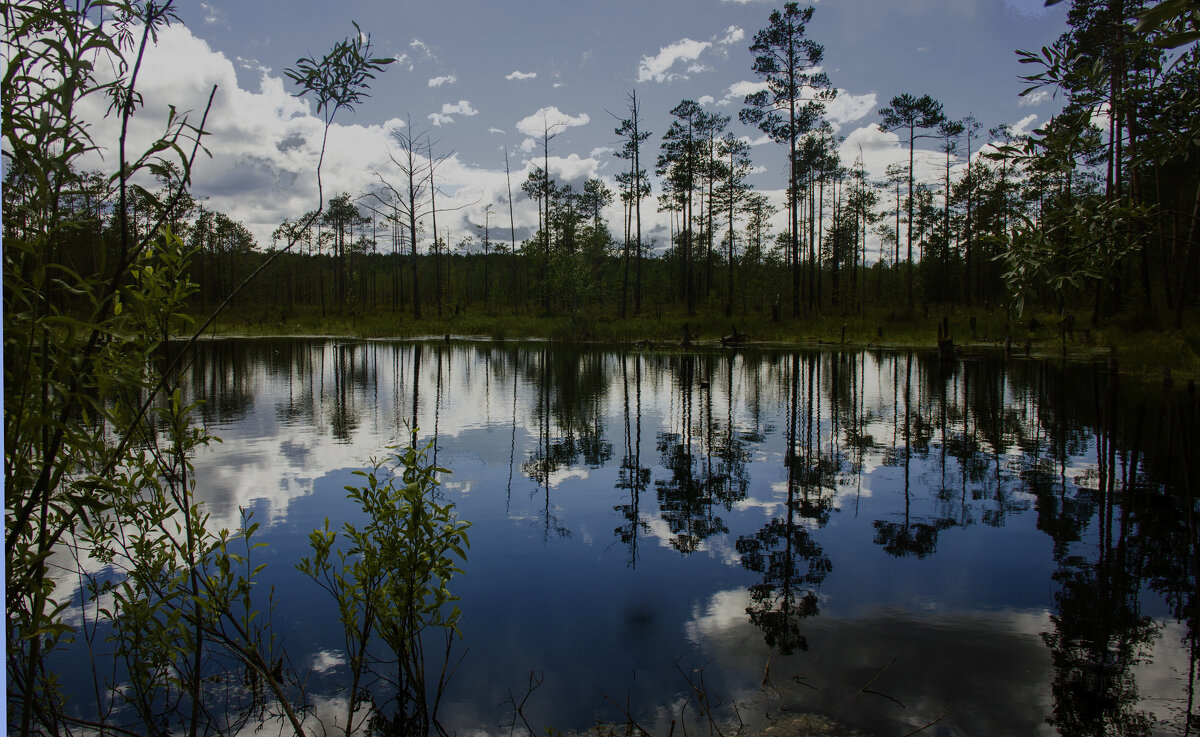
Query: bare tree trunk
{"x": 512, "y": 231}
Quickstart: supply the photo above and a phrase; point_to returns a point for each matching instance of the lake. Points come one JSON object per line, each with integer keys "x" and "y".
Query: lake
{"x": 985, "y": 546}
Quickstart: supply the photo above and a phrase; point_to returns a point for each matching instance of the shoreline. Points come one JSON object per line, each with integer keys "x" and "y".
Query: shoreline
{"x": 1143, "y": 353}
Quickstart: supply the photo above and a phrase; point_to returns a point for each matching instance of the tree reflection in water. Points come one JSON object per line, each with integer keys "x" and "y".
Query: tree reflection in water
{"x": 931, "y": 453}
{"x": 791, "y": 562}
{"x": 634, "y": 477}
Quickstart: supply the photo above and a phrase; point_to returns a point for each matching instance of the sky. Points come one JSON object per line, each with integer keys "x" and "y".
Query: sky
{"x": 480, "y": 76}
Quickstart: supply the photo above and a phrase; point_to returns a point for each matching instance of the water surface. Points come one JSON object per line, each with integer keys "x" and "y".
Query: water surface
{"x": 879, "y": 537}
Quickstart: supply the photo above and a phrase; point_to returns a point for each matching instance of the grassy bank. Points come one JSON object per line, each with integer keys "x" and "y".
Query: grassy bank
{"x": 1141, "y": 350}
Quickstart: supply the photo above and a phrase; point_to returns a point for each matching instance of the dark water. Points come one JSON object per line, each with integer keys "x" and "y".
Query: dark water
{"x": 880, "y": 537}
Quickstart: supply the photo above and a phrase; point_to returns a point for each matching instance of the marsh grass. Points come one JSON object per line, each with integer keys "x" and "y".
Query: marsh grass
{"x": 1142, "y": 349}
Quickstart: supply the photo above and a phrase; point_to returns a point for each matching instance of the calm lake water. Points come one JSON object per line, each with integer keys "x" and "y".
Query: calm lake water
{"x": 877, "y": 536}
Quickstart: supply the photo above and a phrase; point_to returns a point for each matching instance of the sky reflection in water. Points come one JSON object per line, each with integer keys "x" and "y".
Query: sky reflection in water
{"x": 899, "y": 539}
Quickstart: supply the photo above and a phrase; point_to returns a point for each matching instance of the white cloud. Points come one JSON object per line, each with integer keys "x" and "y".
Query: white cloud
{"x": 880, "y": 149}
{"x": 756, "y": 141}
{"x": 549, "y": 117}
{"x": 518, "y": 74}
{"x": 264, "y": 142}
{"x": 698, "y": 68}
{"x": 253, "y": 65}
{"x": 706, "y": 100}
{"x": 733, "y": 34}
{"x": 495, "y": 130}
{"x": 439, "y": 81}
{"x": 657, "y": 68}
{"x": 600, "y": 151}
{"x": 1037, "y": 97}
{"x": 870, "y": 138}
{"x": 1024, "y": 125}
{"x": 421, "y": 46}
{"x": 462, "y": 107}
{"x": 573, "y": 167}
{"x": 847, "y": 108}
{"x": 214, "y": 16}
{"x": 736, "y": 93}
{"x": 527, "y": 145}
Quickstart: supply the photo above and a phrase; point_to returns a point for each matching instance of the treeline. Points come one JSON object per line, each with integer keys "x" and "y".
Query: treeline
{"x": 351, "y": 259}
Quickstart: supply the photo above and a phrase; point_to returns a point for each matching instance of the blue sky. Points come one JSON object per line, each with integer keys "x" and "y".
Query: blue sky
{"x": 479, "y": 76}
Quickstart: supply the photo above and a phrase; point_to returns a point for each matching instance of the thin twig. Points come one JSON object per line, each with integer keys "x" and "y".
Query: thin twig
{"x": 629, "y": 720}
{"x": 866, "y": 688}
{"x": 944, "y": 714}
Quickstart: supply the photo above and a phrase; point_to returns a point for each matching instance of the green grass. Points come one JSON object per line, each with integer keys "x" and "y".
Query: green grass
{"x": 1142, "y": 350}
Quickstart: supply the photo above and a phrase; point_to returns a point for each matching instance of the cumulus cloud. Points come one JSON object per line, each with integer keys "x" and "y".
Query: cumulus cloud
{"x": 756, "y": 141}
{"x": 573, "y": 167}
{"x": 449, "y": 110}
{"x": 439, "y": 81}
{"x": 706, "y": 100}
{"x": 880, "y": 149}
{"x": 733, "y": 34}
{"x": 847, "y": 108}
{"x": 1037, "y": 97}
{"x": 462, "y": 107}
{"x": 265, "y": 142}
{"x": 518, "y": 74}
{"x": 549, "y": 118}
{"x": 495, "y": 130}
{"x": 870, "y": 138}
{"x": 737, "y": 92}
{"x": 657, "y": 68}
{"x": 1023, "y": 126}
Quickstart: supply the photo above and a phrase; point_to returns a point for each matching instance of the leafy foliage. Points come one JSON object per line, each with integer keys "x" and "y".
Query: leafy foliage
{"x": 390, "y": 581}
{"x": 98, "y": 439}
